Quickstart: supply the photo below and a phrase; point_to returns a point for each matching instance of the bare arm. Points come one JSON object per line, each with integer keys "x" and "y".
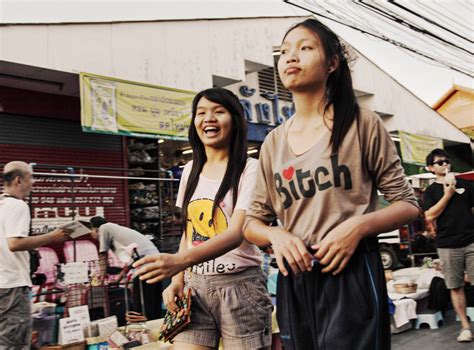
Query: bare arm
{"x": 218, "y": 245}
{"x": 183, "y": 247}
{"x": 16, "y": 244}
{"x": 257, "y": 232}
{"x": 387, "y": 219}
{"x": 436, "y": 210}
{"x": 160, "y": 266}
{"x": 337, "y": 247}
{"x": 175, "y": 290}
{"x": 286, "y": 246}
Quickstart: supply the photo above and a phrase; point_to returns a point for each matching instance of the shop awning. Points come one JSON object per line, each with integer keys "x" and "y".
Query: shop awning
{"x": 469, "y": 175}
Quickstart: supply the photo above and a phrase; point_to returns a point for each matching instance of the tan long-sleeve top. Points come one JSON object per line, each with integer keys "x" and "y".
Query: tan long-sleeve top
{"x": 313, "y": 192}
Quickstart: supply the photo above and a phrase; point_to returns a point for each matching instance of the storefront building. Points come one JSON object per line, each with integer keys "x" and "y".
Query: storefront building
{"x": 40, "y": 115}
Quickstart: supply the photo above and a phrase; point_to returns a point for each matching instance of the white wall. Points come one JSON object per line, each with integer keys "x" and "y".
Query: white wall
{"x": 178, "y": 54}
{"x": 187, "y": 54}
{"x": 405, "y": 111}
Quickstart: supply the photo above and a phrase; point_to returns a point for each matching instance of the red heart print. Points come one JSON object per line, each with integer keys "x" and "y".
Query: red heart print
{"x": 288, "y": 173}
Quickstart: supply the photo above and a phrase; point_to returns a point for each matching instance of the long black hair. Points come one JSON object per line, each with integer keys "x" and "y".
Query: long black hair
{"x": 237, "y": 149}
{"x": 339, "y": 90}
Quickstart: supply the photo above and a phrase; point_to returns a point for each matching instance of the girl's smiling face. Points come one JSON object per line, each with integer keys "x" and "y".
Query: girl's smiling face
{"x": 213, "y": 124}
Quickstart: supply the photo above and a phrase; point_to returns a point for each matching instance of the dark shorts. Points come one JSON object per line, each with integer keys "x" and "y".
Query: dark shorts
{"x": 15, "y": 318}
{"x": 347, "y": 311}
{"x": 236, "y": 307}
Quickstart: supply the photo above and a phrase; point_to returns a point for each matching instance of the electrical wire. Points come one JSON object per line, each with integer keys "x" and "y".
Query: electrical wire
{"x": 429, "y": 50}
{"x": 438, "y": 15}
{"x": 432, "y": 27}
{"x": 332, "y": 16}
{"x": 465, "y": 4}
{"x": 416, "y": 22}
{"x": 409, "y": 25}
{"x": 428, "y": 20}
{"x": 410, "y": 38}
{"x": 451, "y": 55}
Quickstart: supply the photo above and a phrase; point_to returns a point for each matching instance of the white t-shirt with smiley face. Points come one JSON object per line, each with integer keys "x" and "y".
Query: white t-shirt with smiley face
{"x": 200, "y": 227}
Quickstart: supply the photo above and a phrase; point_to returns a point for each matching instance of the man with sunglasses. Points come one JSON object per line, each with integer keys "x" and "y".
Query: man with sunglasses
{"x": 450, "y": 207}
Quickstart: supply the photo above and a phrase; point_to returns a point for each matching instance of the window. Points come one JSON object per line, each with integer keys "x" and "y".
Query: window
{"x": 269, "y": 81}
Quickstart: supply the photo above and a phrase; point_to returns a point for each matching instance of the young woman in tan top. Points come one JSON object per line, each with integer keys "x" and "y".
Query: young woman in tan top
{"x": 319, "y": 173}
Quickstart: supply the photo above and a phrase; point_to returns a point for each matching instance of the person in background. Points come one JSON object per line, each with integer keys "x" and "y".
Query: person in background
{"x": 15, "y": 242}
{"x": 449, "y": 204}
{"x": 318, "y": 174}
{"x": 229, "y": 296}
{"x": 118, "y": 238}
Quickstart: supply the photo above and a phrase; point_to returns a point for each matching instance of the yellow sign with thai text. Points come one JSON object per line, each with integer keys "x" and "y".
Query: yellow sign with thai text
{"x": 415, "y": 148}
{"x": 120, "y": 107}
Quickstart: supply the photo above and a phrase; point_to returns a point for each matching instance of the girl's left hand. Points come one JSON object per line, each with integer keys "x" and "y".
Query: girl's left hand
{"x": 336, "y": 249}
{"x": 159, "y": 266}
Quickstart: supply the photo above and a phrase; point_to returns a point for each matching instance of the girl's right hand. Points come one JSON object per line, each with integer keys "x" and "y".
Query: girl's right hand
{"x": 172, "y": 293}
{"x": 287, "y": 246}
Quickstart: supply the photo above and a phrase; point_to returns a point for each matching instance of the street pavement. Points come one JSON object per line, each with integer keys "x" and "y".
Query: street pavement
{"x": 433, "y": 339}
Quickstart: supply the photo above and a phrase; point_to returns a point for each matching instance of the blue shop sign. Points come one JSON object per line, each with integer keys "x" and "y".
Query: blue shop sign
{"x": 262, "y": 117}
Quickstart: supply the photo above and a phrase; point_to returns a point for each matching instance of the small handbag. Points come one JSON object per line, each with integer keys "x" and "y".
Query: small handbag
{"x": 174, "y": 323}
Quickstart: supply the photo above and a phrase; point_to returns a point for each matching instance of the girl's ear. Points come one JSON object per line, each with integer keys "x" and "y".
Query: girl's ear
{"x": 333, "y": 64}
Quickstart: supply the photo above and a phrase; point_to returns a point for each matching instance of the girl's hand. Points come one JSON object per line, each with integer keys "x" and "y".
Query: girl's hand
{"x": 172, "y": 293}
{"x": 159, "y": 266}
{"x": 287, "y": 246}
{"x": 336, "y": 249}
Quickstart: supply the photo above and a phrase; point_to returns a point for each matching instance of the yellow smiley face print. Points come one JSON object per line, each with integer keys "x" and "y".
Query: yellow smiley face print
{"x": 200, "y": 226}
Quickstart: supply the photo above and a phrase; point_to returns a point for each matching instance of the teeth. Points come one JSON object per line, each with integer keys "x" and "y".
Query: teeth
{"x": 210, "y": 129}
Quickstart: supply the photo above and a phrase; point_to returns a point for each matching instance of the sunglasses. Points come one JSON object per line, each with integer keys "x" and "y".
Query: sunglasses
{"x": 442, "y": 161}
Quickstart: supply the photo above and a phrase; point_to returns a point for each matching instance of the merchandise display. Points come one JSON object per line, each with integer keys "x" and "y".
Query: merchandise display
{"x": 152, "y": 209}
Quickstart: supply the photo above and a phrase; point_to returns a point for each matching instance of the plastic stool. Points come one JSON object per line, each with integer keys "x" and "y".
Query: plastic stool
{"x": 431, "y": 320}
{"x": 469, "y": 313}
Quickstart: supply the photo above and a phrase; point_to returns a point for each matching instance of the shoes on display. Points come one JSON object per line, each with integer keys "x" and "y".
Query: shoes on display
{"x": 146, "y": 213}
{"x": 465, "y": 336}
{"x": 151, "y": 146}
{"x": 136, "y": 186}
{"x": 135, "y": 146}
{"x": 150, "y": 187}
{"x": 136, "y": 172}
{"x": 141, "y": 197}
{"x": 140, "y": 157}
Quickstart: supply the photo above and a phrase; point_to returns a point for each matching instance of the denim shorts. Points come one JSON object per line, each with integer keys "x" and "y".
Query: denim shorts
{"x": 236, "y": 307}
{"x": 457, "y": 261}
{"x": 15, "y": 318}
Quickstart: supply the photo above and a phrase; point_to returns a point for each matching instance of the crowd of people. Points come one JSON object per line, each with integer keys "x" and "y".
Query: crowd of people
{"x": 317, "y": 176}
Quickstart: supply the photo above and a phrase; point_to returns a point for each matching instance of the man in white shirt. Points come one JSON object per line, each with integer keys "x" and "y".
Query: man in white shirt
{"x": 15, "y": 281}
{"x": 118, "y": 238}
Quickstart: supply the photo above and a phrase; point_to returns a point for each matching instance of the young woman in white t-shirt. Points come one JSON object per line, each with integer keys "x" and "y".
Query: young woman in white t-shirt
{"x": 229, "y": 297}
